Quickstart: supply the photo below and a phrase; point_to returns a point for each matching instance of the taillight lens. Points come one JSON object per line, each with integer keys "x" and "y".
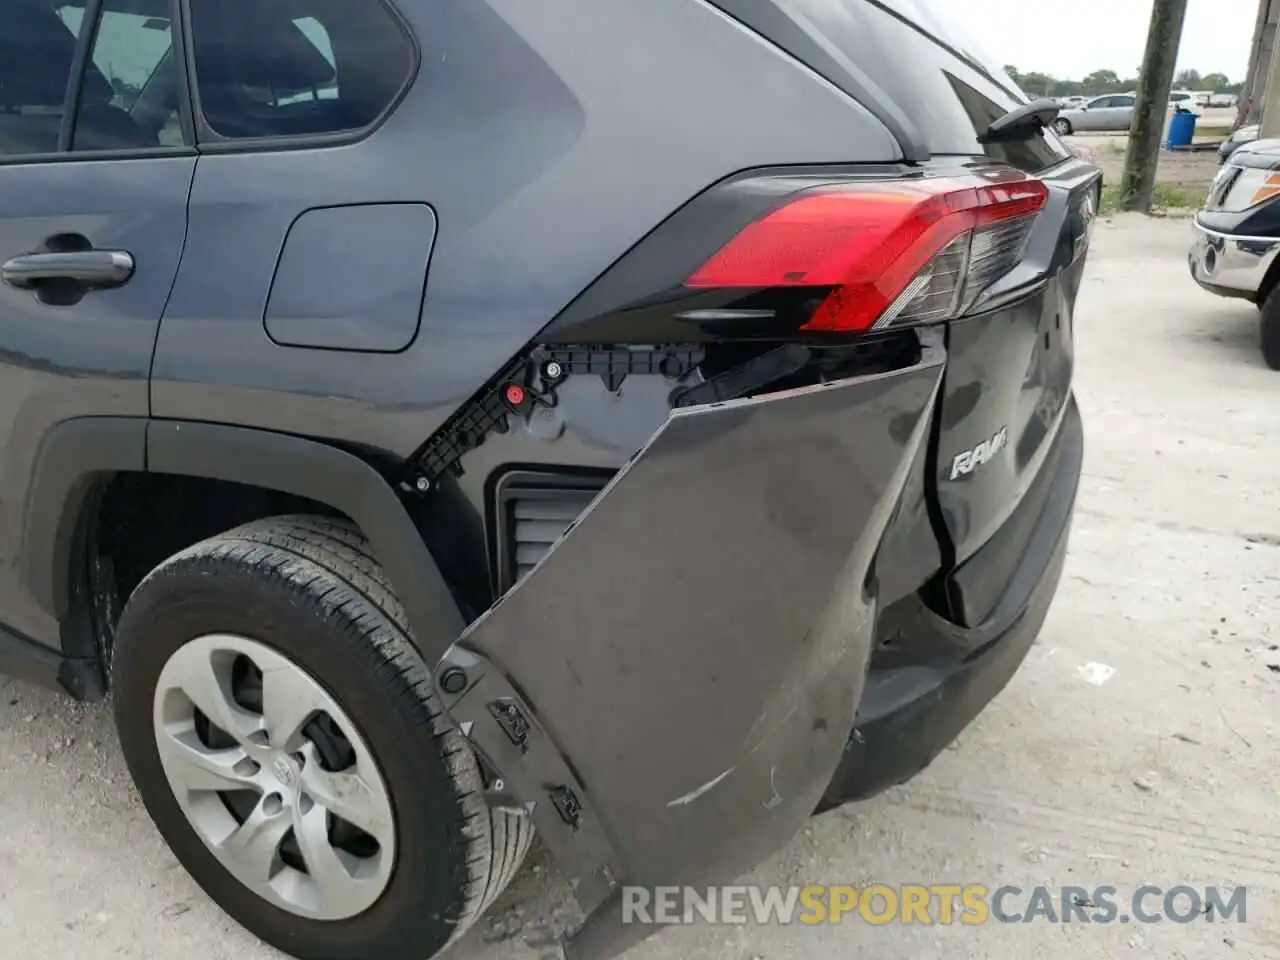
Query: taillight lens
{"x": 890, "y": 252}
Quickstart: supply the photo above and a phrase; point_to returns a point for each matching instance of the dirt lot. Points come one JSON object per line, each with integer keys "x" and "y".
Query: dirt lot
{"x": 1193, "y": 170}
{"x": 1167, "y": 773}
{"x": 1188, "y": 172}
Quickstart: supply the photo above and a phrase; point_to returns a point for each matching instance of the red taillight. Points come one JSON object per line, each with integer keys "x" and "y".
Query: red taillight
{"x": 883, "y": 246}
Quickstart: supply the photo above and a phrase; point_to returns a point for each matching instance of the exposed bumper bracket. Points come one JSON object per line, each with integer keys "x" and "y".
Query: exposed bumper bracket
{"x": 503, "y": 727}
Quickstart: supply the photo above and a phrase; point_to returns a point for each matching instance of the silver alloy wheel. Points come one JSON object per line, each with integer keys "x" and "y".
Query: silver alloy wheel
{"x": 271, "y": 760}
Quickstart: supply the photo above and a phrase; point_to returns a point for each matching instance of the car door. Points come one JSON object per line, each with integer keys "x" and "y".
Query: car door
{"x": 1095, "y": 114}
{"x": 94, "y": 178}
{"x": 1120, "y": 113}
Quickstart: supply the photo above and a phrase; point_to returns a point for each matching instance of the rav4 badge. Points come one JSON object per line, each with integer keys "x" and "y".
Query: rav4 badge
{"x": 970, "y": 460}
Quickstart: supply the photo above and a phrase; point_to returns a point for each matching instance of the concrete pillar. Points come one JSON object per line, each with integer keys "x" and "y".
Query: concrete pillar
{"x": 1270, "y": 115}
{"x": 1245, "y": 112}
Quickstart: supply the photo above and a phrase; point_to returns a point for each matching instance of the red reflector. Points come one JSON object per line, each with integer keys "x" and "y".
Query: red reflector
{"x": 515, "y": 394}
{"x": 867, "y": 240}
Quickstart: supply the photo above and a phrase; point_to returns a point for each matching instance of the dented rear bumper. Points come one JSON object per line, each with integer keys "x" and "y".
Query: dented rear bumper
{"x": 671, "y": 689}
{"x": 938, "y": 676}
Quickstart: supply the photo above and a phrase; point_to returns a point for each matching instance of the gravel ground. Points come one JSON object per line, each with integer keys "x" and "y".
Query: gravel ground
{"x": 1193, "y": 171}
{"x": 1165, "y": 774}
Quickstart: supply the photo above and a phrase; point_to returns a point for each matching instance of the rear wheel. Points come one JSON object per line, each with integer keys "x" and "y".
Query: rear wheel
{"x": 1062, "y": 126}
{"x": 284, "y": 736}
{"x": 1270, "y": 329}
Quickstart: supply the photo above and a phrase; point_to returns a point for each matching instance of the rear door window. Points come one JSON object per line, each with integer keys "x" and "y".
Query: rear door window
{"x": 37, "y": 47}
{"x": 129, "y": 94}
{"x": 129, "y": 97}
{"x": 298, "y": 68}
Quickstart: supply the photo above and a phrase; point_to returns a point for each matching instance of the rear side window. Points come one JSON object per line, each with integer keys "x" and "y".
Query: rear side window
{"x": 294, "y": 68}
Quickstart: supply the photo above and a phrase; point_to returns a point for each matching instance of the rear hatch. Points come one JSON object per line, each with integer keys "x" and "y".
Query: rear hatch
{"x": 1010, "y": 354}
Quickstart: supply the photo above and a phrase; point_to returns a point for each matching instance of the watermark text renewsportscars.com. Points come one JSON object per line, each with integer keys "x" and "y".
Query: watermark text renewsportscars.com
{"x": 938, "y": 903}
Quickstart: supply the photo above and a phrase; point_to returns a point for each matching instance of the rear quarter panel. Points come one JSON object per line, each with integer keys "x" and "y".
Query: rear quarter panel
{"x": 548, "y": 139}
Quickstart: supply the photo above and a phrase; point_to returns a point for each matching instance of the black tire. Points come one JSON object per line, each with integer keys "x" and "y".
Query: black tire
{"x": 1062, "y": 126}
{"x": 310, "y": 588}
{"x": 1270, "y": 329}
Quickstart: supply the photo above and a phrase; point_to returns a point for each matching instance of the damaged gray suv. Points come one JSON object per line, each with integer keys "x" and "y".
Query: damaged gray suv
{"x": 645, "y": 424}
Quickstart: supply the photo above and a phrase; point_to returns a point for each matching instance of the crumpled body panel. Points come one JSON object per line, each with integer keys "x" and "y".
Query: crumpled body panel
{"x": 671, "y": 689}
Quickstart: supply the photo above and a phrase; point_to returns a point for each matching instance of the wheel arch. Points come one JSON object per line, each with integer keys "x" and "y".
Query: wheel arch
{"x": 75, "y": 461}
{"x": 79, "y": 456}
{"x": 1268, "y": 284}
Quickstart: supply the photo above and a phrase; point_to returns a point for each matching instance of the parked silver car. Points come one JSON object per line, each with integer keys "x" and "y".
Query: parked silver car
{"x": 1112, "y": 111}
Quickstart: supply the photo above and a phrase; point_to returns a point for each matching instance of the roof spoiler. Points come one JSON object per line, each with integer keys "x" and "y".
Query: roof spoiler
{"x": 1022, "y": 123}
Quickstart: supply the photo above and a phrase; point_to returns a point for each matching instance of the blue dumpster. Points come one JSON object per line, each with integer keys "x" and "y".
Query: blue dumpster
{"x": 1182, "y": 127}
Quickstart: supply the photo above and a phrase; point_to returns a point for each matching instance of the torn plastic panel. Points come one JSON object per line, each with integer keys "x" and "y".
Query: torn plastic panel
{"x": 671, "y": 688}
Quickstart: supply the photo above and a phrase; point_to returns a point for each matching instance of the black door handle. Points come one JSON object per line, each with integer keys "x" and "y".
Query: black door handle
{"x": 94, "y": 269}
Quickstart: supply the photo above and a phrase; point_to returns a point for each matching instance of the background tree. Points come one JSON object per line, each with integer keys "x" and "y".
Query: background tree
{"x": 1036, "y": 83}
{"x": 1101, "y": 81}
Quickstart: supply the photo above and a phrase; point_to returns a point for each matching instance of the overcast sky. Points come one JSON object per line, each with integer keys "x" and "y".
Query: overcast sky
{"x": 1069, "y": 38}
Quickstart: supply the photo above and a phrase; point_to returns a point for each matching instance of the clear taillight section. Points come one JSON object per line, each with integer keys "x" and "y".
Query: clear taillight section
{"x": 933, "y": 292}
{"x": 994, "y": 251}
{"x": 909, "y": 251}
{"x": 958, "y": 274}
